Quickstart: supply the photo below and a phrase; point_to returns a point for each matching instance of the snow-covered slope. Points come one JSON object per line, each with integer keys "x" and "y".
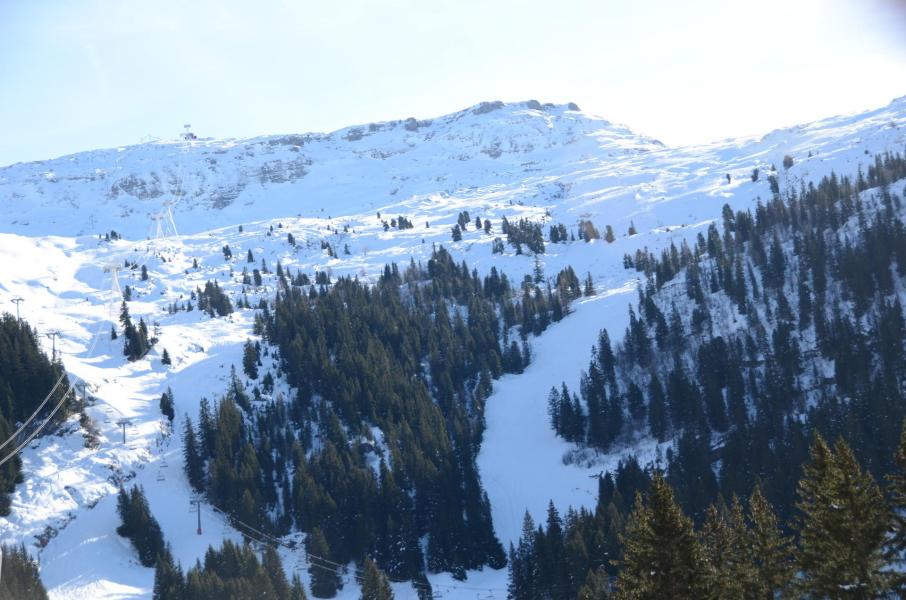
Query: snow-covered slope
{"x": 548, "y": 163}
{"x": 364, "y": 167}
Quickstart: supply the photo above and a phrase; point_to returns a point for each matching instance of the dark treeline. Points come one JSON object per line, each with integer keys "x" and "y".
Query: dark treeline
{"x": 213, "y": 300}
{"x": 376, "y": 449}
{"x": 234, "y": 572}
{"x": 845, "y": 541}
{"x": 19, "y": 576}
{"x": 523, "y": 233}
{"x": 27, "y": 375}
{"x": 774, "y": 325}
{"x": 553, "y": 560}
{"x": 138, "y": 525}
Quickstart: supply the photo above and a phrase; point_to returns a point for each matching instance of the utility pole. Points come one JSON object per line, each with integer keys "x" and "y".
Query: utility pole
{"x": 52, "y": 334}
{"x": 123, "y": 423}
{"x": 18, "y": 300}
{"x": 113, "y": 268}
{"x": 158, "y": 228}
{"x": 80, "y": 387}
{"x": 197, "y": 503}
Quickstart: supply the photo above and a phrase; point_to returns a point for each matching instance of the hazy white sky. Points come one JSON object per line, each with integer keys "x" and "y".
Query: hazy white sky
{"x": 76, "y": 75}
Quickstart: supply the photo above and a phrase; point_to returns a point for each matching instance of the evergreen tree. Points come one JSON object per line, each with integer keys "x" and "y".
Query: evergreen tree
{"x": 166, "y": 405}
{"x": 325, "y": 581}
{"x": 27, "y": 377}
{"x": 596, "y": 586}
{"x": 298, "y": 589}
{"x": 657, "y": 410}
{"x": 250, "y": 360}
{"x": 270, "y": 562}
{"x": 729, "y": 572}
{"x": 842, "y": 528}
{"x": 139, "y": 526}
{"x": 771, "y": 550}
{"x": 232, "y": 572}
{"x": 661, "y": 556}
{"x": 522, "y": 563}
{"x": 375, "y": 585}
{"x": 194, "y": 464}
{"x": 19, "y": 575}
{"x": 896, "y": 544}
{"x": 589, "y": 286}
{"x": 169, "y": 583}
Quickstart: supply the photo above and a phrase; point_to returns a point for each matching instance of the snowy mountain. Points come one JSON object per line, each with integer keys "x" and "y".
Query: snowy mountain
{"x": 215, "y": 181}
{"x": 545, "y": 163}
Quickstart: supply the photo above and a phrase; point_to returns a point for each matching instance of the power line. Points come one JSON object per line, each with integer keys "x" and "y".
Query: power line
{"x": 336, "y": 567}
{"x": 18, "y": 300}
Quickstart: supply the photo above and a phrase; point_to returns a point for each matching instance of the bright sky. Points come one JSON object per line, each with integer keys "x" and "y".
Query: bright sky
{"x": 76, "y": 75}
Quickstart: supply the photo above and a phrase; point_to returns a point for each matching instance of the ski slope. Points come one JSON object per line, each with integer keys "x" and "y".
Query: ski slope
{"x": 543, "y": 162}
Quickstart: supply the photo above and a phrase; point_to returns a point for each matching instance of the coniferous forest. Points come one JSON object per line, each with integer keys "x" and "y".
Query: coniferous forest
{"x": 413, "y": 357}
{"x": 845, "y": 541}
{"x": 777, "y": 324}
{"x": 774, "y": 325}
{"x": 19, "y": 576}
{"x": 776, "y": 328}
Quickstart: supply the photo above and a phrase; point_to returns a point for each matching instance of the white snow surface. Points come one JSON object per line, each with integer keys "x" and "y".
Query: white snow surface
{"x": 543, "y": 162}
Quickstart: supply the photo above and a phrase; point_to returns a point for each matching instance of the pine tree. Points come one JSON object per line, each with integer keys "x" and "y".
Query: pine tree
{"x": 166, "y": 405}
{"x": 729, "y": 574}
{"x": 169, "y": 583}
{"x": 522, "y": 561}
{"x": 270, "y": 561}
{"x": 896, "y": 545}
{"x": 19, "y": 575}
{"x": 538, "y": 271}
{"x": 657, "y": 410}
{"x": 298, "y": 589}
{"x": 596, "y": 585}
{"x": 771, "y": 550}
{"x": 250, "y": 360}
{"x": 589, "y": 286}
{"x": 165, "y": 358}
{"x": 139, "y": 525}
{"x": 194, "y": 464}
{"x": 375, "y": 585}
{"x": 843, "y": 524}
{"x": 324, "y": 579}
{"x": 661, "y": 556}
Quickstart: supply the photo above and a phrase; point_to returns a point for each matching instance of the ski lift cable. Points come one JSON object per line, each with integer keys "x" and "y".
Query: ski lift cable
{"x": 271, "y": 541}
{"x": 336, "y": 567}
{"x": 73, "y": 381}
{"x": 47, "y": 398}
{"x": 37, "y": 411}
